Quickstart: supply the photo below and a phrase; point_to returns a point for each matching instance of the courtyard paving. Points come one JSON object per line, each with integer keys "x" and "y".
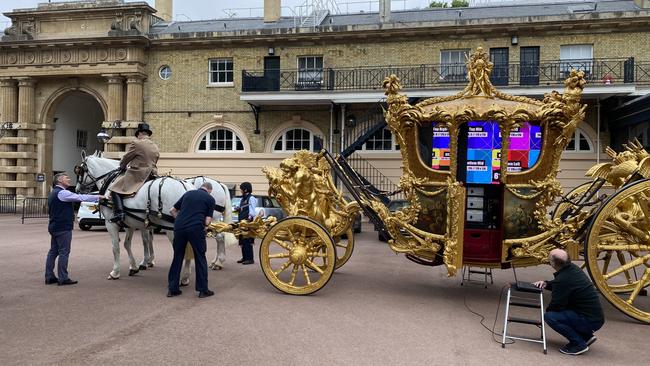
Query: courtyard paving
{"x": 379, "y": 309}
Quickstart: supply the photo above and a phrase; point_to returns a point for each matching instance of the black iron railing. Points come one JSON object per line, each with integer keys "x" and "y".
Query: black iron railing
{"x": 374, "y": 180}
{"x": 7, "y": 203}
{"x": 34, "y": 208}
{"x": 366, "y": 126}
{"x": 597, "y": 71}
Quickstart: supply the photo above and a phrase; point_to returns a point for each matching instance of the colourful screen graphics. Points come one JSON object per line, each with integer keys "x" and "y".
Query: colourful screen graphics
{"x": 484, "y": 150}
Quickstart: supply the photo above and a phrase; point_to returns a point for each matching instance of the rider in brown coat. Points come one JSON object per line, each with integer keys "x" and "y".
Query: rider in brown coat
{"x": 139, "y": 163}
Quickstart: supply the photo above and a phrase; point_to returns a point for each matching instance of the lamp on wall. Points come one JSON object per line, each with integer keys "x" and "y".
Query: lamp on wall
{"x": 350, "y": 121}
{"x": 271, "y": 51}
{"x": 514, "y": 40}
{"x": 103, "y": 136}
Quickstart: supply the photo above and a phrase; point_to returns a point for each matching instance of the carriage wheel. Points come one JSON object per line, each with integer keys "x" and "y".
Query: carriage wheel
{"x": 573, "y": 195}
{"x": 344, "y": 247}
{"x": 298, "y": 256}
{"x": 618, "y": 250}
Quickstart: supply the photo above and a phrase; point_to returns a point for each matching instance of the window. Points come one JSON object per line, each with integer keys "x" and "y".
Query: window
{"x": 382, "y": 140}
{"x": 220, "y": 140}
{"x": 298, "y": 139}
{"x": 310, "y": 70}
{"x": 165, "y": 72}
{"x": 221, "y": 71}
{"x": 452, "y": 65}
{"x": 583, "y": 144}
{"x": 576, "y": 56}
{"x": 82, "y": 139}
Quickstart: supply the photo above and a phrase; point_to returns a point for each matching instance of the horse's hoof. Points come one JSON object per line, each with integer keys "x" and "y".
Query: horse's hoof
{"x": 217, "y": 267}
{"x": 142, "y": 267}
{"x": 184, "y": 284}
{"x": 111, "y": 277}
{"x": 133, "y": 272}
{"x": 150, "y": 265}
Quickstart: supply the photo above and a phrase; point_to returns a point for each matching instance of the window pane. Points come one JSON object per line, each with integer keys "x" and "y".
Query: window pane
{"x": 240, "y": 146}
{"x": 571, "y": 146}
{"x": 584, "y": 144}
{"x": 278, "y": 145}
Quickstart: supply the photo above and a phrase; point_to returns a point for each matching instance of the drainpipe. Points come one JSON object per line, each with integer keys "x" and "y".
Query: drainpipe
{"x": 597, "y": 130}
{"x": 331, "y": 127}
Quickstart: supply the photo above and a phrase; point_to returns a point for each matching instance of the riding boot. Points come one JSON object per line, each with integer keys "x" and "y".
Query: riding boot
{"x": 118, "y": 208}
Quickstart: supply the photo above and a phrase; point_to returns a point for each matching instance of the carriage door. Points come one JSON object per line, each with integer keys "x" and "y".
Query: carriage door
{"x": 529, "y": 66}
{"x": 479, "y": 149}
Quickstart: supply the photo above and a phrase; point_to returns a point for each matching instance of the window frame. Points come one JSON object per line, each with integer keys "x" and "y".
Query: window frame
{"x": 82, "y": 139}
{"x": 576, "y": 145}
{"x": 208, "y": 140}
{"x": 160, "y": 72}
{"x": 310, "y": 75}
{"x": 454, "y": 65}
{"x": 217, "y": 72}
{"x": 283, "y": 138}
{"x": 579, "y": 62}
{"x": 394, "y": 146}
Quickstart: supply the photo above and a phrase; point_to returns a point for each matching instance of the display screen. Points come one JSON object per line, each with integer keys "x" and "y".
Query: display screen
{"x": 484, "y": 150}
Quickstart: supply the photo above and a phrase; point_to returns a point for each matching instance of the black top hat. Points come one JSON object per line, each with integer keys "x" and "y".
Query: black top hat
{"x": 143, "y": 127}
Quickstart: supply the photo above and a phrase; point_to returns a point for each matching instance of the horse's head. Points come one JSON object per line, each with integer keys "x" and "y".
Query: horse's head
{"x": 92, "y": 171}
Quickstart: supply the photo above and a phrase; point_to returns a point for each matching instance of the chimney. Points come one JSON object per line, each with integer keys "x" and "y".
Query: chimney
{"x": 384, "y": 11}
{"x": 271, "y": 11}
{"x": 643, "y": 4}
{"x": 165, "y": 9}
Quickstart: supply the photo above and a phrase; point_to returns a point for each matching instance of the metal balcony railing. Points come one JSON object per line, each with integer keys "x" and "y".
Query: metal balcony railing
{"x": 597, "y": 71}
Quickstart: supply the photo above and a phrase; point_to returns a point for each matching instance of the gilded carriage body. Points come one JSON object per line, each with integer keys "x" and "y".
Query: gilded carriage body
{"x": 479, "y": 172}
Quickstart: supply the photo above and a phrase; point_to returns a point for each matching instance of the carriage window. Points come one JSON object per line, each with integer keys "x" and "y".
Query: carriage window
{"x": 220, "y": 140}
{"x": 483, "y": 150}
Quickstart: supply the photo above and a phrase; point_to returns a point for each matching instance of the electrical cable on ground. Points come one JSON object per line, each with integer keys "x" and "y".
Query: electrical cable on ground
{"x": 496, "y": 316}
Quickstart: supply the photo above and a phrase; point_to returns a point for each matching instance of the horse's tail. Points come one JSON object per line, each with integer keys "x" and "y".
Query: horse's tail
{"x": 227, "y": 213}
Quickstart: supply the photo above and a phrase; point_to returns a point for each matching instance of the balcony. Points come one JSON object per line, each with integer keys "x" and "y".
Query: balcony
{"x": 368, "y": 78}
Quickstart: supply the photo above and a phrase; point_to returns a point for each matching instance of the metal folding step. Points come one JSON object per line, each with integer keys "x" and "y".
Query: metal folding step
{"x": 524, "y": 302}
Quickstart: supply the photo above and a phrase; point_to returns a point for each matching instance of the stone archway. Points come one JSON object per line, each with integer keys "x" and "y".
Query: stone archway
{"x": 76, "y": 116}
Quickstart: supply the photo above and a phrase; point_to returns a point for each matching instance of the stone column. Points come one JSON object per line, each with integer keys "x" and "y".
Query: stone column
{"x": 115, "y": 108}
{"x": 27, "y": 146}
{"x": 8, "y": 113}
{"x": 134, "y": 98}
{"x": 115, "y": 98}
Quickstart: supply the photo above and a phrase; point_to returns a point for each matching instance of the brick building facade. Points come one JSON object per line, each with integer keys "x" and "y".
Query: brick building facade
{"x": 226, "y": 97}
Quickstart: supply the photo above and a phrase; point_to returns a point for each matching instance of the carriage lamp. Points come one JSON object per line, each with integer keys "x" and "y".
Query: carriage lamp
{"x": 103, "y": 136}
{"x": 351, "y": 121}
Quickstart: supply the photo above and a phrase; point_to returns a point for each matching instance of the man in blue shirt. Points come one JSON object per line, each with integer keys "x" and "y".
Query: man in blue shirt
{"x": 61, "y": 212}
{"x": 246, "y": 209}
{"x": 193, "y": 212}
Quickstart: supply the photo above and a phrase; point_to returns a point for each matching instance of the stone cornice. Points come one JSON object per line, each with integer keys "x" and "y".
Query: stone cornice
{"x": 56, "y": 56}
{"x": 59, "y": 10}
{"x": 142, "y": 41}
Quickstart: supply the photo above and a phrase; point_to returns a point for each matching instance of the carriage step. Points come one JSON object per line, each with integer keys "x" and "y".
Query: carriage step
{"x": 525, "y": 304}
{"x": 524, "y": 300}
{"x": 513, "y": 319}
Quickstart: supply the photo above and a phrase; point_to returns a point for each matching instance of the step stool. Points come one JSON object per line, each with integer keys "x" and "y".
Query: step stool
{"x": 526, "y": 302}
{"x": 486, "y": 272}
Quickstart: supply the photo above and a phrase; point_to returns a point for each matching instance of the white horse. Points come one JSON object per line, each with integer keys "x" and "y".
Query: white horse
{"x": 86, "y": 184}
{"x": 151, "y": 204}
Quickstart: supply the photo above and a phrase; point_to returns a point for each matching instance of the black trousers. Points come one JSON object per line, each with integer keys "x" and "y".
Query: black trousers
{"x": 246, "y": 245}
{"x": 196, "y": 236}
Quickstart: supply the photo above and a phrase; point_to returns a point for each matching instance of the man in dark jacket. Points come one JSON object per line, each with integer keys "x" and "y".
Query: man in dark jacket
{"x": 193, "y": 213}
{"x": 574, "y": 311}
{"x": 246, "y": 208}
{"x": 61, "y": 212}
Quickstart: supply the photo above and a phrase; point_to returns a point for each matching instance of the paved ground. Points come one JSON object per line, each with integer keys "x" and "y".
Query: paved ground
{"x": 379, "y": 309}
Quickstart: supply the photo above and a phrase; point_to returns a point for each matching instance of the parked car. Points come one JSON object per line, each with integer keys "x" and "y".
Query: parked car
{"x": 266, "y": 206}
{"x": 89, "y": 216}
{"x": 393, "y": 206}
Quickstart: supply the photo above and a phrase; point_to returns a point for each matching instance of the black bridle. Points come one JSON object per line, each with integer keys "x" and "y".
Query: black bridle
{"x": 81, "y": 171}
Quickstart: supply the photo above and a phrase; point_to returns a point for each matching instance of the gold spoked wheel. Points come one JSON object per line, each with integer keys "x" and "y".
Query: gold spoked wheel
{"x": 618, "y": 250}
{"x": 344, "y": 247}
{"x": 298, "y": 256}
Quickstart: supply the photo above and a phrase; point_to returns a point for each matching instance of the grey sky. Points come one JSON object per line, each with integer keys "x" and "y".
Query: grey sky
{"x": 211, "y": 9}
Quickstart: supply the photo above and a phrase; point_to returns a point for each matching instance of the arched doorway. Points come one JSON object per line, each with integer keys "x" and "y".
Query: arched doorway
{"x": 77, "y": 120}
